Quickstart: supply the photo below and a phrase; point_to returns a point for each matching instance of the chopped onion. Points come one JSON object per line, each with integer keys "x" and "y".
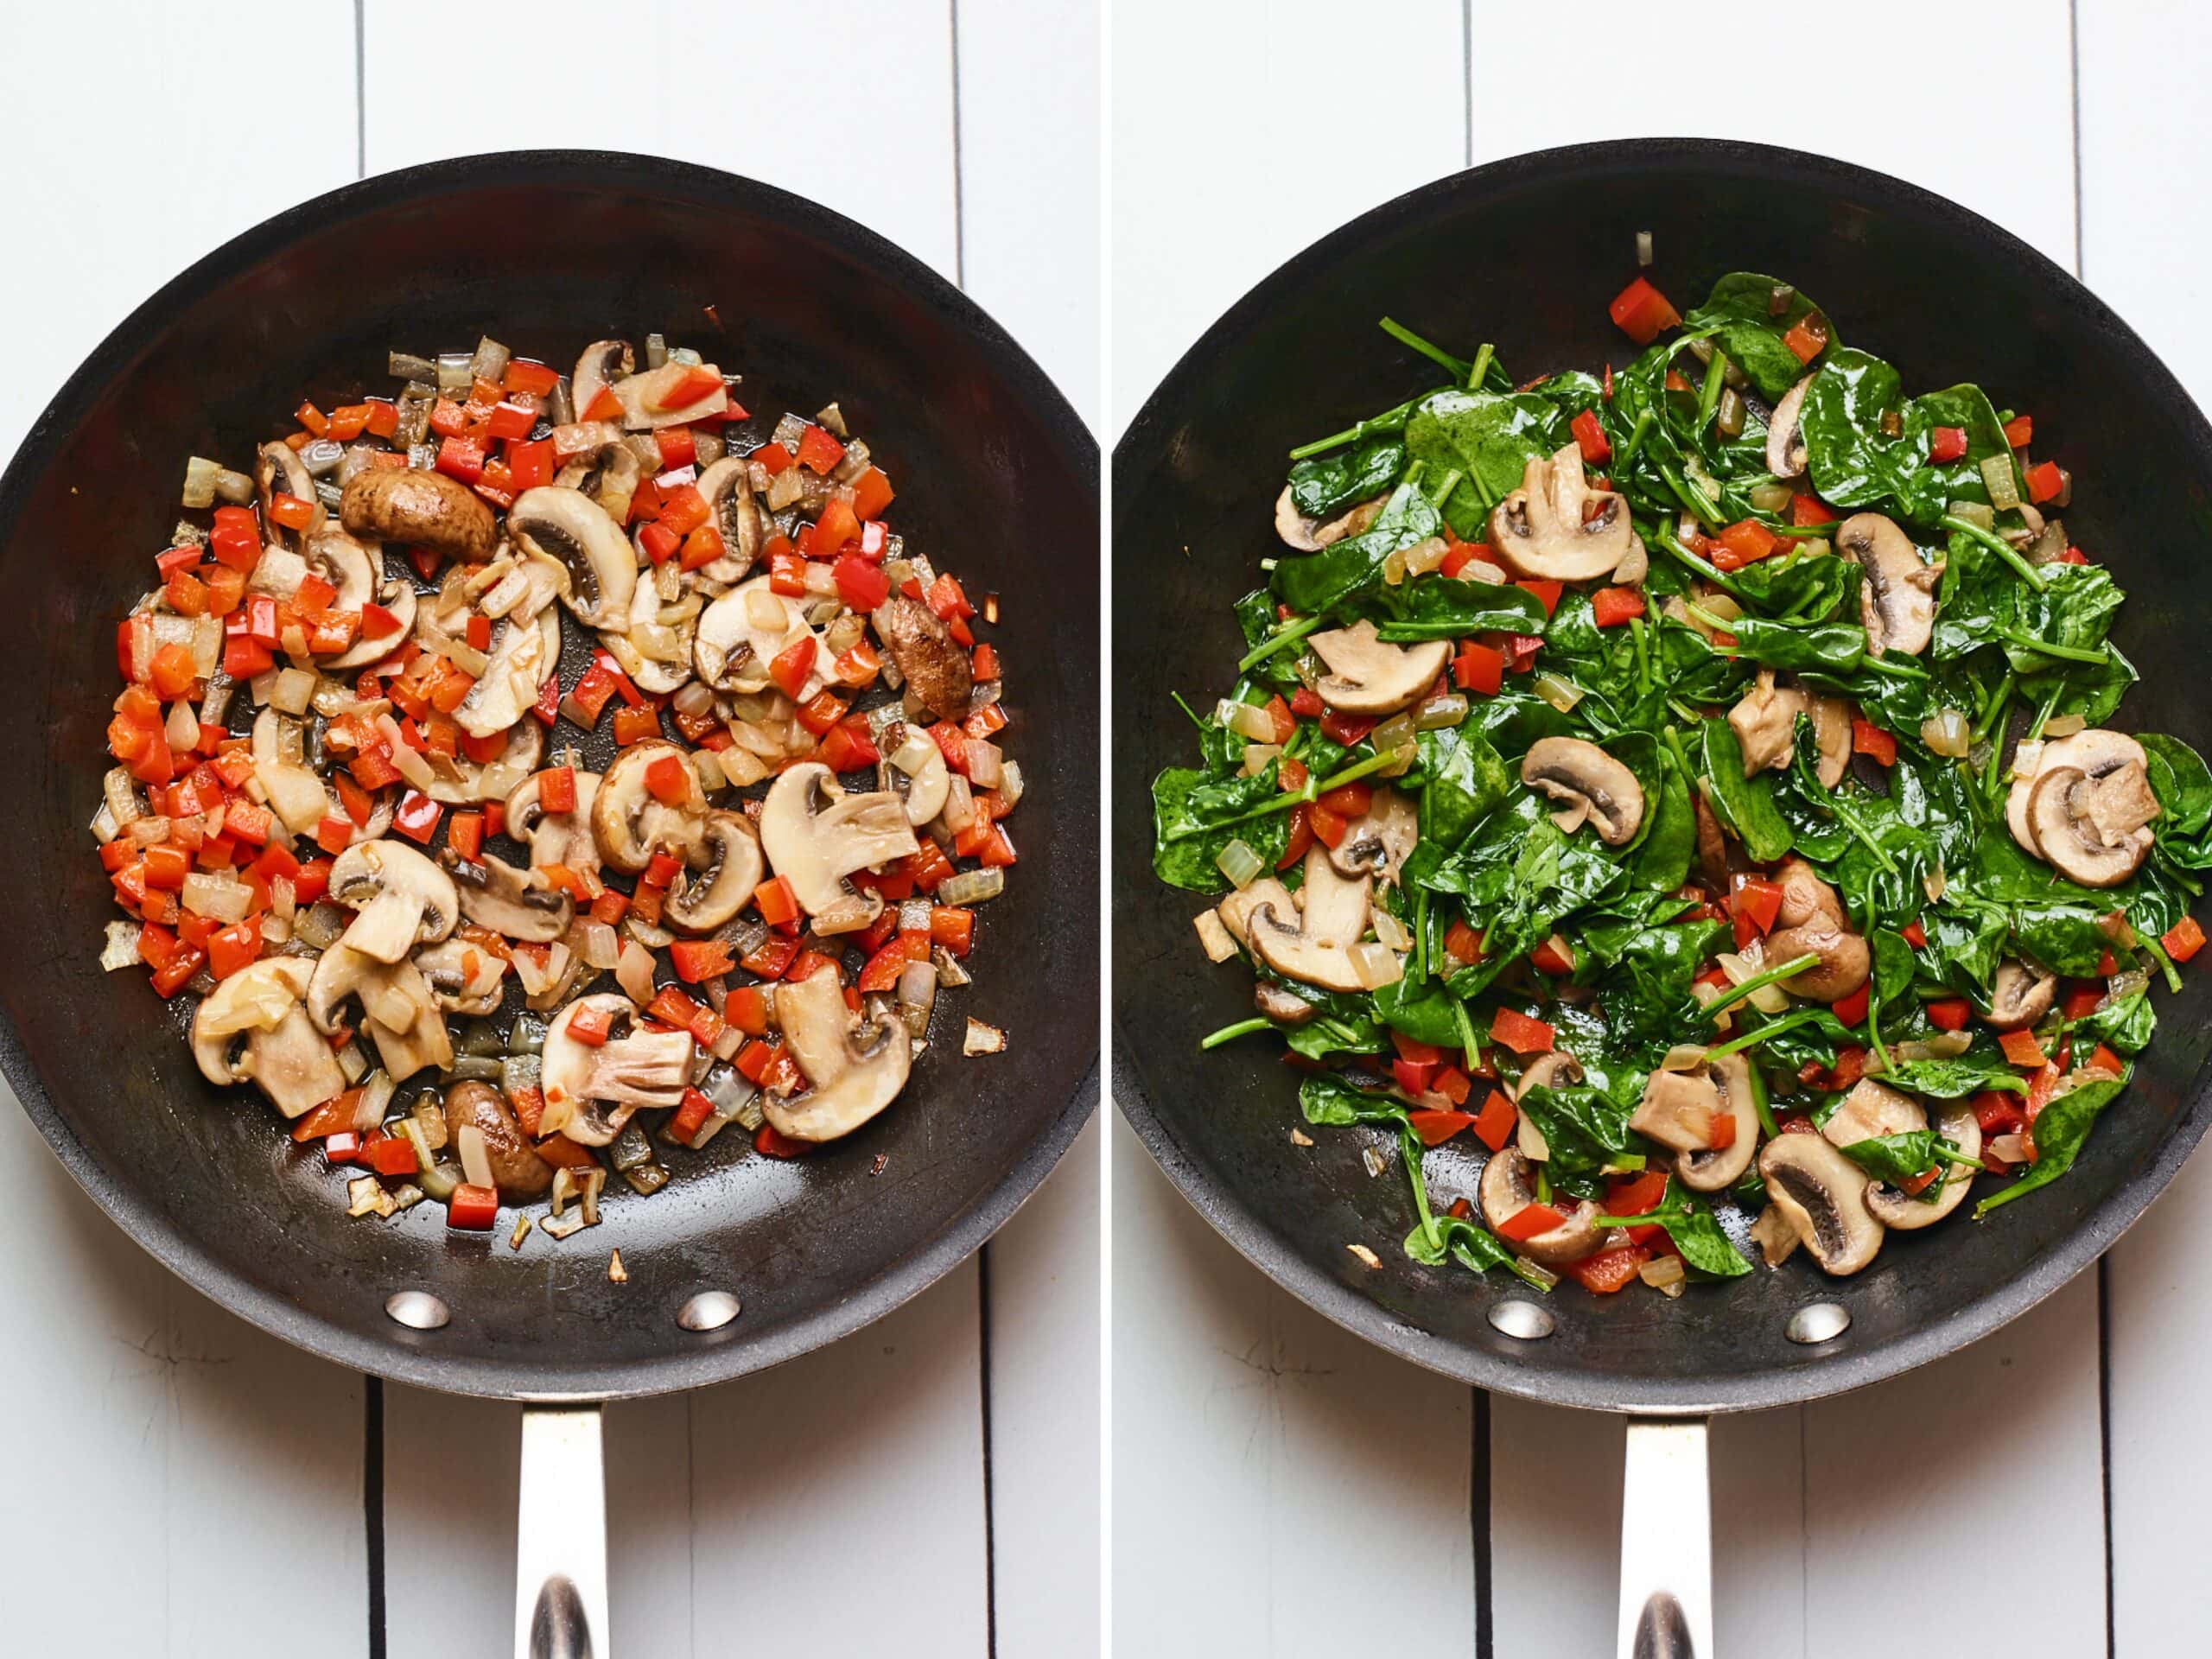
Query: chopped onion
{"x": 1374, "y": 965}
{"x": 200, "y": 481}
{"x": 1683, "y": 1056}
{"x": 1644, "y": 248}
{"x": 1935, "y": 885}
{"x": 959, "y": 810}
{"x": 1947, "y": 733}
{"x": 633, "y": 971}
{"x": 121, "y": 794}
{"x": 1944, "y": 1045}
{"x": 948, "y": 971}
{"x": 983, "y": 1039}
{"x": 1770, "y": 497}
{"x": 1240, "y": 864}
{"x": 1768, "y": 999}
{"x": 219, "y": 897}
{"x": 1257, "y": 756}
{"x": 598, "y": 945}
{"x": 1438, "y": 712}
{"x": 1390, "y": 931}
{"x": 2120, "y": 987}
{"x": 293, "y": 691}
{"x": 103, "y": 825}
{"x": 146, "y": 832}
{"x": 2064, "y": 725}
{"x": 475, "y": 1157}
{"x": 1213, "y": 936}
{"x": 1663, "y": 1273}
{"x": 1775, "y": 1237}
{"x": 706, "y": 766}
{"x": 1562, "y": 694}
{"x": 2003, "y": 485}
{"x": 983, "y": 760}
{"x": 1010, "y": 785}
{"x": 1977, "y": 513}
{"x": 1249, "y": 720}
{"x": 354, "y": 1063}
{"x": 917, "y": 752}
{"x": 376, "y": 1100}
{"x": 122, "y": 948}
{"x": 2009, "y": 1149}
{"x": 1396, "y": 736}
{"x": 972, "y": 887}
{"x": 918, "y": 995}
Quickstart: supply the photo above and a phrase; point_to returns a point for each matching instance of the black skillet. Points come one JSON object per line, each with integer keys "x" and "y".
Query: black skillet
{"x": 546, "y": 251}
{"x": 1526, "y": 253}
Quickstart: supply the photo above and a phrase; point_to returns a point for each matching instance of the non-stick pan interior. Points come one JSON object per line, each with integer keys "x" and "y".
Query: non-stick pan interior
{"x": 997, "y": 479}
{"x": 1526, "y": 254}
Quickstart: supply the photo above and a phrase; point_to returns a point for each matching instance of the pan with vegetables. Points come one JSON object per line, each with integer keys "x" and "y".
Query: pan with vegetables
{"x": 1699, "y": 793}
{"x": 568, "y": 838}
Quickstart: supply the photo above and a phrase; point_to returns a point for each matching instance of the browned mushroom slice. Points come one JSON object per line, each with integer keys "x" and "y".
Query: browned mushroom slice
{"x": 2019, "y": 995}
{"x": 1380, "y": 840}
{"x": 480, "y": 1126}
{"x": 252, "y": 1027}
{"x": 1371, "y": 677}
{"x": 1556, "y": 528}
{"x": 815, "y": 834}
{"x": 1811, "y": 919}
{"x": 1590, "y": 786}
{"x": 855, "y": 1065}
{"x": 1897, "y": 592}
{"x": 279, "y": 470}
{"x": 629, "y": 823}
{"x": 936, "y": 671}
{"x": 2096, "y": 751}
{"x": 1871, "y": 1111}
{"x": 609, "y": 474}
{"x": 1955, "y": 1122}
{"x": 1786, "y": 454}
{"x": 1312, "y": 535}
{"x": 1684, "y": 1110}
{"x": 1313, "y": 941}
{"x": 418, "y": 509}
{"x": 1508, "y": 1187}
{"x": 571, "y": 529}
{"x": 601, "y": 364}
{"x": 2092, "y": 830}
{"x": 1823, "y": 1196}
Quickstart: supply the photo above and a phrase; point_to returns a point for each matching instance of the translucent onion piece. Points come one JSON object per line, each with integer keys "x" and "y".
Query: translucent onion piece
{"x": 1768, "y": 999}
{"x": 1770, "y": 497}
{"x": 1240, "y": 864}
{"x": 916, "y": 751}
{"x": 352, "y": 1062}
{"x": 1390, "y": 931}
{"x": 2010, "y": 1150}
{"x": 1257, "y": 756}
{"x": 1010, "y": 784}
{"x": 1935, "y": 885}
{"x": 972, "y": 887}
{"x": 2133, "y": 983}
{"x": 917, "y": 996}
{"x": 200, "y": 482}
{"x": 1997, "y": 476}
{"x": 1661, "y": 1273}
{"x": 982, "y": 1039}
{"x": 121, "y": 794}
{"x": 959, "y": 810}
{"x": 475, "y": 1157}
{"x": 1530, "y": 1139}
{"x": 219, "y": 898}
{"x": 293, "y": 692}
{"x": 983, "y": 760}
{"x": 1213, "y": 937}
{"x": 598, "y": 946}
{"x": 2064, "y": 725}
{"x": 1947, "y": 733}
{"x": 121, "y": 949}
{"x": 1249, "y": 720}
{"x": 1561, "y": 694}
{"x": 706, "y": 766}
{"x": 1644, "y": 248}
{"x": 1396, "y": 736}
{"x": 1375, "y": 965}
{"x": 1978, "y": 514}
{"x": 1683, "y": 1056}
{"x": 376, "y": 1100}
{"x": 1438, "y": 712}
{"x": 104, "y": 826}
{"x": 633, "y": 971}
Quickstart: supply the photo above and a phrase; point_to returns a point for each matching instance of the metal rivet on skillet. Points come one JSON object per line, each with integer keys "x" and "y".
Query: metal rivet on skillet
{"x": 1819, "y": 1322}
{"x": 1525, "y": 1321}
{"x": 417, "y": 1309}
{"x": 709, "y": 1310}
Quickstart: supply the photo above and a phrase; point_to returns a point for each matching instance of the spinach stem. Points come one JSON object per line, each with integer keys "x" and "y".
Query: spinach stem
{"x": 1643, "y": 657}
{"x": 2000, "y": 701}
{"x": 1468, "y": 1041}
{"x": 2100, "y": 657}
{"x": 1758, "y": 982}
{"x": 1634, "y": 442}
{"x": 1289, "y": 633}
{"x": 2031, "y": 574}
{"x": 1683, "y": 554}
{"x": 1315, "y": 788}
{"x": 1443, "y": 490}
{"x": 1187, "y": 709}
{"x": 1388, "y": 421}
{"x": 2166, "y": 963}
{"x": 1405, "y": 336}
{"x": 1708, "y": 397}
{"x": 1895, "y": 669}
{"x": 1745, "y": 1039}
{"x": 1229, "y": 1033}
{"x": 2043, "y": 710}
{"x": 1481, "y": 369}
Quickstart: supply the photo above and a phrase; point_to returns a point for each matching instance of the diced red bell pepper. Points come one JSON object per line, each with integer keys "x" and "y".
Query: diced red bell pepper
{"x": 1610, "y": 606}
{"x": 700, "y": 959}
{"x": 1946, "y": 443}
{"x": 1547, "y": 593}
{"x": 1530, "y": 1222}
{"x": 556, "y": 789}
{"x": 670, "y": 780}
{"x": 1590, "y": 435}
{"x": 1520, "y": 1033}
{"x": 2183, "y": 940}
{"x": 1756, "y": 900}
{"x": 792, "y": 667}
{"x": 2022, "y": 1049}
{"x": 1807, "y": 338}
{"x": 1640, "y": 311}
{"x": 1479, "y": 669}
{"x": 1609, "y": 1271}
{"x": 872, "y": 493}
{"x": 1851, "y": 1009}
{"x": 1949, "y": 1014}
{"x": 1552, "y": 957}
{"x": 590, "y": 1024}
{"x": 416, "y": 817}
{"x": 1868, "y": 739}
{"x": 2046, "y": 481}
{"x": 474, "y": 1208}
{"x": 1745, "y": 542}
{"x": 1494, "y": 1124}
{"x": 818, "y": 451}
{"x": 1806, "y": 510}
{"x": 1914, "y": 935}
{"x": 1462, "y": 944}
{"x": 1435, "y": 1127}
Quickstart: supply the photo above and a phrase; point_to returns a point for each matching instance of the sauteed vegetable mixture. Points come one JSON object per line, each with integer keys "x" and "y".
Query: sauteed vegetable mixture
{"x": 351, "y": 803}
{"x": 1691, "y": 786}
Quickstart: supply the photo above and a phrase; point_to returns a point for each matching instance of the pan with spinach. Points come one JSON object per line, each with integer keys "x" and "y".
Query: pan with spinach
{"x": 1678, "y": 804}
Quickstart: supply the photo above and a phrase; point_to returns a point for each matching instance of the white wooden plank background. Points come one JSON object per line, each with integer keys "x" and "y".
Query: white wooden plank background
{"x": 1246, "y": 1423}
{"x": 216, "y": 1462}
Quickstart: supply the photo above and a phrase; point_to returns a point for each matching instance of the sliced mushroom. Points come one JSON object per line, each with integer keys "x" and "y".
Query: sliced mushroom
{"x": 1508, "y": 1187}
{"x": 2078, "y": 820}
{"x": 1955, "y": 1122}
{"x": 1312, "y": 535}
{"x": 1871, "y": 1111}
{"x": 608, "y": 474}
{"x": 1713, "y": 844}
{"x": 1279, "y": 1003}
{"x": 1766, "y": 724}
{"x": 1367, "y": 676}
{"x": 926, "y": 790}
{"x": 1786, "y": 455}
{"x": 1380, "y": 840}
{"x": 855, "y": 1067}
{"x": 278, "y": 467}
{"x": 1552, "y": 1071}
{"x": 656, "y": 655}
{"x": 1549, "y": 531}
{"x": 1237, "y": 910}
{"x": 460, "y": 780}
{"x": 2096, "y": 752}
{"x": 815, "y": 834}
{"x": 2019, "y": 995}
{"x": 729, "y": 491}
{"x": 726, "y": 866}
{"x": 562, "y": 838}
{"x": 252, "y": 1027}
{"x": 399, "y": 598}
{"x": 631, "y": 823}
{"x": 401, "y": 1013}
{"x": 569, "y": 528}
{"x": 644, "y": 397}
{"x": 1590, "y": 786}
{"x": 350, "y": 566}
{"x": 294, "y": 792}
{"x": 1823, "y": 1195}
{"x": 1679, "y": 1108}
{"x": 937, "y": 671}
{"x": 1312, "y": 943}
{"x": 403, "y": 898}
{"x": 493, "y": 894}
{"x": 514, "y": 668}
{"x": 517, "y": 1170}
{"x": 601, "y": 364}
{"x": 591, "y": 1092}
{"x": 747, "y": 629}
{"x": 1897, "y": 592}
{"x": 1810, "y": 918}
{"x": 462, "y": 977}
{"x": 414, "y": 508}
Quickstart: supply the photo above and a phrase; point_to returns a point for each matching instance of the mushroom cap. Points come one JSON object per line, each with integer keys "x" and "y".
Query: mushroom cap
{"x": 629, "y": 823}
{"x": 1897, "y": 592}
{"x": 1380, "y": 840}
{"x": 728, "y": 867}
{"x": 599, "y": 365}
{"x": 747, "y": 629}
{"x": 1823, "y": 1196}
{"x": 1542, "y": 532}
{"x": 609, "y": 474}
{"x": 282, "y": 1051}
{"x": 2019, "y": 995}
{"x": 854, "y": 1067}
{"x": 1367, "y": 676}
{"x": 1312, "y": 941}
{"x": 1678, "y": 1111}
{"x": 1906, "y": 1212}
{"x": 1549, "y": 1071}
{"x": 815, "y": 834}
{"x": 1765, "y": 723}
{"x": 2096, "y": 751}
{"x": 1312, "y": 535}
{"x": 399, "y": 598}
{"x": 728, "y": 492}
{"x": 418, "y": 509}
{"x": 1280, "y": 1003}
{"x": 1810, "y": 917}
{"x": 591, "y": 1092}
{"x": 1591, "y": 786}
{"x": 352, "y": 566}
{"x": 1236, "y": 911}
{"x": 517, "y": 1170}
{"x": 569, "y": 528}
{"x": 938, "y": 672}
{"x": 515, "y": 667}
{"x": 1786, "y": 454}
{"x": 278, "y": 467}
{"x": 403, "y": 898}
{"x": 1870, "y": 1111}
{"x": 462, "y": 978}
{"x": 493, "y": 894}
{"x": 2062, "y": 813}
{"x": 1507, "y": 1189}
{"x": 564, "y": 838}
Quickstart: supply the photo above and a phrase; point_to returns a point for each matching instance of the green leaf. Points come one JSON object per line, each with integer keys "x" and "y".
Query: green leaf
{"x": 1697, "y": 1235}
{"x": 1437, "y": 607}
{"x": 1189, "y": 811}
{"x": 1463, "y": 776}
{"x": 1317, "y": 584}
{"x": 1322, "y": 485}
{"x": 1744, "y": 805}
{"x": 1489, "y": 438}
{"x": 1585, "y": 1128}
{"x": 1462, "y": 1240}
{"x": 1750, "y": 331}
{"x": 1327, "y": 1098}
{"x": 2061, "y": 1129}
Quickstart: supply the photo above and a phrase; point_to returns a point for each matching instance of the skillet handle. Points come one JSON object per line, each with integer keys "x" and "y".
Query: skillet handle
{"x": 1665, "y": 1541}
{"x": 560, "y": 1536}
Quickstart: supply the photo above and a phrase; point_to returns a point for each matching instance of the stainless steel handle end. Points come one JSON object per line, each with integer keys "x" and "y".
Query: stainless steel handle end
{"x": 1665, "y": 1541}
{"x": 560, "y": 1536}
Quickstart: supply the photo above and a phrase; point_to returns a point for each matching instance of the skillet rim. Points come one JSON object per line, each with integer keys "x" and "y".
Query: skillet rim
{"x": 687, "y": 1361}
{"x": 1527, "y": 1373}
